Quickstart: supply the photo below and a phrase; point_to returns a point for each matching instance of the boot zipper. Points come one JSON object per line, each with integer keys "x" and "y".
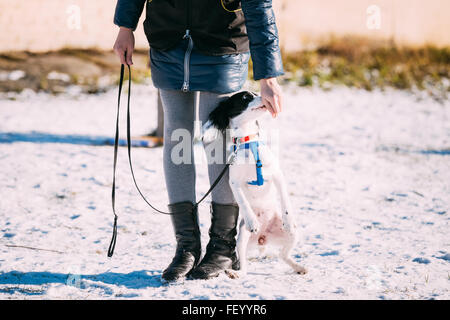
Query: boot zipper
{"x": 187, "y": 56}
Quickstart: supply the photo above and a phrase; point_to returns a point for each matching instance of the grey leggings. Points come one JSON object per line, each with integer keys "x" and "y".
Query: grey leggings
{"x": 179, "y": 112}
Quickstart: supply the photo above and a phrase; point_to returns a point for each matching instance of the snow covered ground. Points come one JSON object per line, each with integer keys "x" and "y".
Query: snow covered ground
{"x": 368, "y": 172}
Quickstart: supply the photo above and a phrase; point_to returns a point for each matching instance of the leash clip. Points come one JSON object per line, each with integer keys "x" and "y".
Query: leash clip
{"x": 232, "y": 158}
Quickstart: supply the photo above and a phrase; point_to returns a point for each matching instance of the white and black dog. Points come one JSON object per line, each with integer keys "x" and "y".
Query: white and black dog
{"x": 254, "y": 178}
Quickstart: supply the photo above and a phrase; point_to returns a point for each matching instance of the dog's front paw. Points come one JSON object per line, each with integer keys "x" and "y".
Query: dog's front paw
{"x": 252, "y": 225}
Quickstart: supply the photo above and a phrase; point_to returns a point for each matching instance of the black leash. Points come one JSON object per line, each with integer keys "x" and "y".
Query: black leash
{"x": 116, "y": 144}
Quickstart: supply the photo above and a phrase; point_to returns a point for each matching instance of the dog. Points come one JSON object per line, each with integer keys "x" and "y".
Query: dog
{"x": 255, "y": 178}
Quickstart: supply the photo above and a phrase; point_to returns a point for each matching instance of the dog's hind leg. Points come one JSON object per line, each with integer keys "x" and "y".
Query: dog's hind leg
{"x": 285, "y": 254}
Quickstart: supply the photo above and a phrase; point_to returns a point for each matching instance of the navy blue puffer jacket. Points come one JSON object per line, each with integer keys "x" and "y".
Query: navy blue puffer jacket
{"x": 169, "y": 65}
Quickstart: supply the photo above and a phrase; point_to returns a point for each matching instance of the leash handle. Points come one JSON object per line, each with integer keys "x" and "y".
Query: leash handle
{"x": 116, "y": 144}
{"x": 112, "y": 244}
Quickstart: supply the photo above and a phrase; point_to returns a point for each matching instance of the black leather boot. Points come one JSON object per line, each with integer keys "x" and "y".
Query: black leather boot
{"x": 187, "y": 234}
{"x": 221, "y": 249}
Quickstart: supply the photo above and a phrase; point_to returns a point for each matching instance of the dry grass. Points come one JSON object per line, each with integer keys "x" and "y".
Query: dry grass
{"x": 360, "y": 63}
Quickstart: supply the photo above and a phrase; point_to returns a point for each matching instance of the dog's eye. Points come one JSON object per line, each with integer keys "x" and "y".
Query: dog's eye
{"x": 248, "y": 96}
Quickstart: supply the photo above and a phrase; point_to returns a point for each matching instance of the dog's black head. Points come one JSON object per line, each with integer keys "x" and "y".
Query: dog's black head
{"x": 230, "y": 108}
{"x": 240, "y": 106}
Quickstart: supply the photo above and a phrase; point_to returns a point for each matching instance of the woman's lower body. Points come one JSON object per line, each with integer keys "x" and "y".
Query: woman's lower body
{"x": 179, "y": 119}
{"x": 179, "y": 113}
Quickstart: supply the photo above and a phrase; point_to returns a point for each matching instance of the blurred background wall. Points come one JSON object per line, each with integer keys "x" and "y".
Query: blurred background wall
{"x": 43, "y": 25}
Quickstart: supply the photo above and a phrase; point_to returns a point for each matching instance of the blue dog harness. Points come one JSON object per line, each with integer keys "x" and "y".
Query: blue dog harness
{"x": 253, "y": 146}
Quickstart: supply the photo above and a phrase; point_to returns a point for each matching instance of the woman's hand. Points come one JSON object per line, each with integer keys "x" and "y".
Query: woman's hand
{"x": 124, "y": 43}
{"x": 271, "y": 95}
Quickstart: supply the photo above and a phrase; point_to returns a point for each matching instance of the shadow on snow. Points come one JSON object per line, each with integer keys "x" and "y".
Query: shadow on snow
{"x": 42, "y": 137}
{"x": 133, "y": 280}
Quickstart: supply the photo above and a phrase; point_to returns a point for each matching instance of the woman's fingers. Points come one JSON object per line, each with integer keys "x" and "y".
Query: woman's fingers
{"x": 276, "y": 104}
{"x": 120, "y": 53}
{"x": 129, "y": 54}
{"x": 269, "y": 106}
{"x": 279, "y": 99}
{"x": 125, "y": 55}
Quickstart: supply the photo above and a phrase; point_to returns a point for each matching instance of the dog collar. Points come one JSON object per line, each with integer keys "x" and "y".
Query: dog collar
{"x": 237, "y": 140}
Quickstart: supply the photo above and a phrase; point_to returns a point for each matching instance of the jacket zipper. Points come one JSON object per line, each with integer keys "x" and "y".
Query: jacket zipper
{"x": 187, "y": 54}
{"x": 187, "y": 57}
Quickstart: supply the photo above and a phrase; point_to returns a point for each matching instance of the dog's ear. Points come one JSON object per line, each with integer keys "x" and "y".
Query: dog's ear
{"x": 220, "y": 116}
{"x": 209, "y": 132}
{"x": 218, "y": 121}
